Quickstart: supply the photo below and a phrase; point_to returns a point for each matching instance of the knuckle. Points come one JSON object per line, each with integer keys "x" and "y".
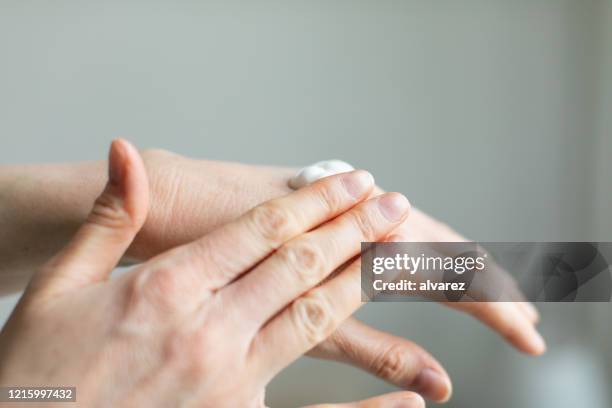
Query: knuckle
{"x": 313, "y": 318}
{"x": 363, "y": 223}
{"x": 108, "y": 211}
{"x": 306, "y": 260}
{"x": 161, "y": 284}
{"x": 330, "y": 198}
{"x": 134, "y": 315}
{"x": 336, "y": 345}
{"x": 272, "y": 222}
{"x": 155, "y": 294}
{"x": 156, "y": 289}
{"x": 392, "y": 363}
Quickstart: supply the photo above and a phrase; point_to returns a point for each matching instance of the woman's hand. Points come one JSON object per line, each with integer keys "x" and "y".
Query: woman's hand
{"x": 192, "y": 197}
{"x": 208, "y": 323}
{"x": 182, "y": 187}
{"x": 515, "y": 320}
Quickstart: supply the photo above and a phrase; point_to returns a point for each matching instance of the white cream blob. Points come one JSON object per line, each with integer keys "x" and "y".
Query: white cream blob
{"x": 314, "y": 172}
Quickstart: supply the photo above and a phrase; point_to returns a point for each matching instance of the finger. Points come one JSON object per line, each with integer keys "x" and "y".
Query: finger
{"x": 516, "y": 295}
{"x": 510, "y": 322}
{"x": 401, "y": 399}
{"x": 229, "y": 251}
{"x": 309, "y": 320}
{"x": 117, "y": 216}
{"x": 516, "y": 327}
{"x": 527, "y": 308}
{"x": 308, "y": 259}
{"x": 530, "y": 311}
{"x": 494, "y": 317}
{"x": 391, "y": 358}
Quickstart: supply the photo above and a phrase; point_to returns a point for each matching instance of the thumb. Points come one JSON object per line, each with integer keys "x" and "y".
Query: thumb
{"x": 117, "y": 216}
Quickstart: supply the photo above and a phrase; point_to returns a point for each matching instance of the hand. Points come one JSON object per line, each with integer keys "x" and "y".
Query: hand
{"x": 185, "y": 185}
{"x": 190, "y": 325}
{"x": 515, "y": 321}
{"x": 192, "y": 197}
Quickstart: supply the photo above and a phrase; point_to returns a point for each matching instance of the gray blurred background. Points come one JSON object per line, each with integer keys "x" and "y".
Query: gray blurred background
{"x": 495, "y": 116}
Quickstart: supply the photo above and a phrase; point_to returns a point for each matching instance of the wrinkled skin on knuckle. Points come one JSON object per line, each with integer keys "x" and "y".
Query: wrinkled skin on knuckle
{"x": 108, "y": 211}
{"x": 312, "y": 318}
{"x": 331, "y": 198}
{"x": 272, "y": 222}
{"x": 393, "y": 363}
{"x": 305, "y": 259}
{"x": 336, "y": 346}
{"x": 363, "y": 223}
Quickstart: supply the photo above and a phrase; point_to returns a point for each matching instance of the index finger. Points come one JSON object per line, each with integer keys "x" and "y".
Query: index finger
{"x": 227, "y": 252}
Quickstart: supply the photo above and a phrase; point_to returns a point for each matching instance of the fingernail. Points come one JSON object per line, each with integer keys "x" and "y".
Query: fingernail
{"x": 393, "y": 206}
{"x": 115, "y": 163}
{"x": 357, "y": 183}
{"x": 433, "y": 384}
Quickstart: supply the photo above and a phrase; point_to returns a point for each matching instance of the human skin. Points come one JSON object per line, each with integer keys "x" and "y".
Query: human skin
{"x": 187, "y": 327}
{"x": 42, "y": 205}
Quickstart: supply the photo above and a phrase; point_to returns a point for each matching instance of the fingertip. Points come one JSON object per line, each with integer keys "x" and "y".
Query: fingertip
{"x": 114, "y": 220}
{"x": 419, "y": 400}
{"x": 449, "y": 394}
{"x": 538, "y": 345}
{"x": 123, "y": 154}
{"x": 535, "y": 344}
{"x": 357, "y": 183}
{"x": 366, "y": 176}
{"x": 128, "y": 176}
{"x": 395, "y": 207}
{"x": 127, "y": 148}
{"x": 408, "y": 400}
{"x": 399, "y": 399}
{"x": 434, "y": 384}
{"x": 529, "y": 341}
{"x": 117, "y": 163}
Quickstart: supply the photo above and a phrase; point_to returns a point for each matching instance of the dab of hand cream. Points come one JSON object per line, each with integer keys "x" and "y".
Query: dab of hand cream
{"x": 314, "y": 172}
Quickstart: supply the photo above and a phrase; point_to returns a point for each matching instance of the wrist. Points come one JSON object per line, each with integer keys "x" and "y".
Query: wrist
{"x": 41, "y": 206}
